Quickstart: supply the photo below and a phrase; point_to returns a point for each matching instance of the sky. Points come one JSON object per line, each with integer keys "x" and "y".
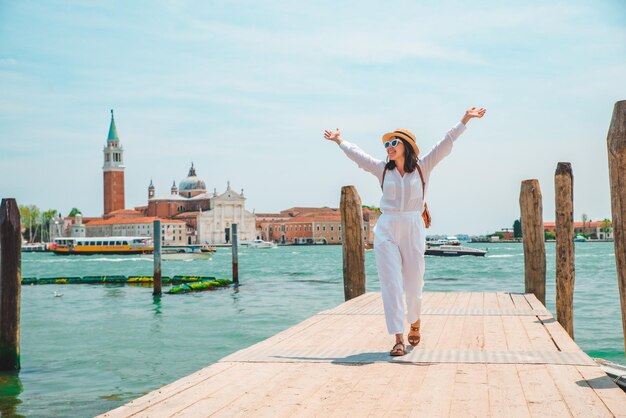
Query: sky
{"x": 245, "y": 89}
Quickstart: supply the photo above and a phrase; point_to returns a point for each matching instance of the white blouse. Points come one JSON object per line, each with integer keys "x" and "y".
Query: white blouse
{"x": 404, "y": 194}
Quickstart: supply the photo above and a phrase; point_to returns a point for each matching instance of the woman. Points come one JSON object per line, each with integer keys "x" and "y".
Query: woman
{"x": 400, "y": 235}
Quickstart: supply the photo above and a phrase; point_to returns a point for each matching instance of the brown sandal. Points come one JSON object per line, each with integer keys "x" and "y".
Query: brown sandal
{"x": 398, "y": 350}
{"x": 414, "y": 336}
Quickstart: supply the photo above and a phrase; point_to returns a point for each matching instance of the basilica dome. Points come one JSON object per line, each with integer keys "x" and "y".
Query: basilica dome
{"x": 191, "y": 183}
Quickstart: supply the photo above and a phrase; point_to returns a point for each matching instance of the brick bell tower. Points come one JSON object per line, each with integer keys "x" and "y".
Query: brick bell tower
{"x": 113, "y": 171}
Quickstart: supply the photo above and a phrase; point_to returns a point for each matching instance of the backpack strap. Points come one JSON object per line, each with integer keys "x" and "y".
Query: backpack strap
{"x": 383, "y": 182}
{"x": 423, "y": 183}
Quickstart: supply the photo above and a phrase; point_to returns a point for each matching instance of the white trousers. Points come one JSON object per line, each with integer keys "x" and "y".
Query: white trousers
{"x": 399, "y": 244}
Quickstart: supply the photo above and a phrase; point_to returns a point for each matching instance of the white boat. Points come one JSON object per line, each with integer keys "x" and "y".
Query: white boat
{"x": 183, "y": 252}
{"x": 446, "y": 241}
{"x": 33, "y": 248}
{"x": 257, "y": 243}
{"x": 453, "y": 251}
{"x": 580, "y": 238}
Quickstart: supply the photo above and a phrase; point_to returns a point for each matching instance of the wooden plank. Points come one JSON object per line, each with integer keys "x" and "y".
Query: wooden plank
{"x": 506, "y": 396}
{"x": 519, "y": 300}
{"x": 138, "y": 405}
{"x": 450, "y": 337}
{"x": 471, "y": 391}
{"x": 611, "y": 395}
{"x": 581, "y": 401}
{"x": 541, "y": 394}
{"x": 505, "y": 301}
{"x": 439, "y": 380}
{"x": 494, "y": 337}
{"x": 515, "y": 333}
{"x": 540, "y": 339}
{"x": 490, "y": 301}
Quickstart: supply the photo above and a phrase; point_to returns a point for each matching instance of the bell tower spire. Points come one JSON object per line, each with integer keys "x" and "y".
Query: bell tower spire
{"x": 113, "y": 171}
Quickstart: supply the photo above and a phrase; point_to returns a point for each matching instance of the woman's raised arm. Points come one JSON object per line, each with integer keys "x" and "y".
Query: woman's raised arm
{"x": 356, "y": 154}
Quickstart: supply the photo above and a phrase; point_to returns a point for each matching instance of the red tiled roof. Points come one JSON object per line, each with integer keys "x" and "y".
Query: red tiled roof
{"x": 142, "y": 220}
{"x": 594, "y": 224}
{"x": 123, "y": 212}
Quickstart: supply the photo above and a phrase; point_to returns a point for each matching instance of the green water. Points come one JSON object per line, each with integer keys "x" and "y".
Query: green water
{"x": 97, "y": 347}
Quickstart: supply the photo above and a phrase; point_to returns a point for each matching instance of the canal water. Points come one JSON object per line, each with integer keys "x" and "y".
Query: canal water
{"x": 97, "y": 347}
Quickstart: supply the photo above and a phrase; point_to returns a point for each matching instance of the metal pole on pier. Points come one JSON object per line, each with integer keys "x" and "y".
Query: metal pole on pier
{"x": 233, "y": 228}
{"x": 564, "y": 206}
{"x": 534, "y": 239}
{"x": 616, "y": 144}
{"x": 352, "y": 238}
{"x": 156, "y": 228}
{"x": 10, "y": 287}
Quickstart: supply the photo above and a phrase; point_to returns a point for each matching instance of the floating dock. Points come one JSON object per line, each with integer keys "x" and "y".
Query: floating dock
{"x": 481, "y": 354}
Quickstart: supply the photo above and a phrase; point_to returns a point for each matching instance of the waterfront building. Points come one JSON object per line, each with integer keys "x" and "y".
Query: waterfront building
{"x": 214, "y": 224}
{"x": 173, "y": 232}
{"x": 113, "y": 171}
{"x": 594, "y": 229}
{"x": 310, "y": 226}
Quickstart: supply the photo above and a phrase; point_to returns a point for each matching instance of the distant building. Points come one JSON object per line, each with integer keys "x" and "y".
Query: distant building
{"x": 594, "y": 229}
{"x": 173, "y": 232}
{"x": 301, "y": 225}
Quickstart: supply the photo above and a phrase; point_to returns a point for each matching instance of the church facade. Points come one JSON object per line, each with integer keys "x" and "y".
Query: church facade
{"x": 209, "y": 215}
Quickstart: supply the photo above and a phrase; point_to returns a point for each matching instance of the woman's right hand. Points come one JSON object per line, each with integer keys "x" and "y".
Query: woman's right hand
{"x": 334, "y": 136}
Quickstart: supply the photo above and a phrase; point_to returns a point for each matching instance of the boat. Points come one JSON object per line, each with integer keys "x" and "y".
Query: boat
{"x": 453, "y": 251}
{"x": 257, "y": 243}
{"x": 33, "y": 247}
{"x": 101, "y": 245}
{"x": 183, "y": 252}
{"x": 580, "y": 238}
{"x": 445, "y": 241}
{"x": 615, "y": 371}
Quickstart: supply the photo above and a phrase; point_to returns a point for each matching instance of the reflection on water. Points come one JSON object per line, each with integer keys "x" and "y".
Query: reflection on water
{"x": 10, "y": 390}
{"x": 156, "y": 301}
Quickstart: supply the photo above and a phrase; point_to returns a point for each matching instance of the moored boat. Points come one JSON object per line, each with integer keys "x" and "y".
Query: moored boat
{"x": 101, "y": 245}
{"x": 184, "y": 252}
{"x": 454, "y": 251}
{"x": 257, "y": 243}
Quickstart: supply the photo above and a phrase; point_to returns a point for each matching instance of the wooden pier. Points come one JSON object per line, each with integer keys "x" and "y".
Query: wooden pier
{"x": 481, "y": 354}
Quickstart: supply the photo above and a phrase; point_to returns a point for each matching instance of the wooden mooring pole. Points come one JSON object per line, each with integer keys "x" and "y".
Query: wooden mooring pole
{"x": 157, "y": 283}
{"x": 533, "y": 238}
{"x": 352, "y": 238}
{"x": 564, "y": 208}
{"x": 616, "y": 144}
{"x": 10, "y": 287}
{"x": 233, "y": 228}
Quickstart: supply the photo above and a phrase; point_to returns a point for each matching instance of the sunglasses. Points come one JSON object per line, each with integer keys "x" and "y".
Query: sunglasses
{"x": 392, "y": 143}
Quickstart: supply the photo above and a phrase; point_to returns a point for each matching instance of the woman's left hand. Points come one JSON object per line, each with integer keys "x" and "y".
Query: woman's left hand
{"x": 473, "y": 112}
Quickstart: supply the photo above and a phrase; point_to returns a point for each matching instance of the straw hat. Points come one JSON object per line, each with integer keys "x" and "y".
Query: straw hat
{"x": 404, "y": 134}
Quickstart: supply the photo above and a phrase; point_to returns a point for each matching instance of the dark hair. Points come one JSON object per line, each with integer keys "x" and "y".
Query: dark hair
{"x": 410, "y": 158}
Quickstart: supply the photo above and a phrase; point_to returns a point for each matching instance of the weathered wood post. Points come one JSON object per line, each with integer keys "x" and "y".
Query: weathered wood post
{"x": 564, "y": 208}
{"x": 616, "y": 144}
{"x": 10, "y": 285}
{"x": 156, "y": 253}
{"x": 352, "y": 238}
{"x": 533, "y": 238}
{"x": 235, "y": 259}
